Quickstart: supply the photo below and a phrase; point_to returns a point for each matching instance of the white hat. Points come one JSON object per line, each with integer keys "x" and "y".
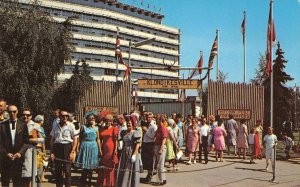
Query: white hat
{"x": 39, "y": 118}
{"x": 171, "y": 121}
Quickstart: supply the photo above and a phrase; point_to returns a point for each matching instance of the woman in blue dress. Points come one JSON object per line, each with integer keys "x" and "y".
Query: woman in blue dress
{"x": 180, "y": 126}
{"x": 89, "y": 147}
{"x": 129, "y": 166}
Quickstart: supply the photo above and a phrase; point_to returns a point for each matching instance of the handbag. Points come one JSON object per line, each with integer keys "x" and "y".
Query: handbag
{"x": 179, "y": 154}
{"x": 296, "y": 148}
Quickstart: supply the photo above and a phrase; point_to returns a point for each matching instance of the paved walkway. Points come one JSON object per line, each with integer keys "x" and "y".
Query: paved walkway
{"x": 232, "y": 172}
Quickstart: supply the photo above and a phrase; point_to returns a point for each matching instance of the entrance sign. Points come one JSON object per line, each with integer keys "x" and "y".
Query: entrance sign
{"x": 169, "y": 83}
{"x": 237, "y": 113}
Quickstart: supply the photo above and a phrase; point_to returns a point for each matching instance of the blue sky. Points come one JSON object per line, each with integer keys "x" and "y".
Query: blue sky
{"x": 199, "y": 19}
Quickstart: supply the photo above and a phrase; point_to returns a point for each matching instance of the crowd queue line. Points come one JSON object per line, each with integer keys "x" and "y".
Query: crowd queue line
{"x": 119, "y": 146}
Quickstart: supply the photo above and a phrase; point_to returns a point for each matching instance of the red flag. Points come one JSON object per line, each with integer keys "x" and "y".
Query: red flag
{"x": 271, "y": 40}
{"x": 213, "y": 53}
{"x": 127, "y": 72}
{"x": 199, "y": 65}
{"x": 119, "y": 57}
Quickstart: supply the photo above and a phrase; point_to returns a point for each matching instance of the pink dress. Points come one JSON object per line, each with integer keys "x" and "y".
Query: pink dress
{"x": 193, "y": 135}
{"x": 219, "y": 141}
{"x": 242, "y": 139}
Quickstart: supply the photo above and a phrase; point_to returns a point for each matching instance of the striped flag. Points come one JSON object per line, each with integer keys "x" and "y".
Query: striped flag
{"x": 213, "y": 53}
{"x": 118, "y": 55}
{"x": 271, "y": 40}
{"x": 199, "y": 65}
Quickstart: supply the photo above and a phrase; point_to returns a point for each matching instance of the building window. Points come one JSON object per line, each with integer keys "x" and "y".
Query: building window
{"x": 109, "y": 72}
{"x": 144, "y": 54}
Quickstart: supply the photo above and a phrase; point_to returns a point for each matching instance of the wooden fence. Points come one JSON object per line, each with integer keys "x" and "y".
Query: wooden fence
{"x": 104, "y": 94}
{"x": 186, "y": 108}
{"x": 236, "y": 96}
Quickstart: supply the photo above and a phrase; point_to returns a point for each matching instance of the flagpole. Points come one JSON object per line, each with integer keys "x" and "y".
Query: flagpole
{"x": 182, "y": 99}
{"x": 217, "y": 76}
{"x": 129, "y": 78}
{"x": 244, "y": 42}
{"x": 117, "y": 64}
{"x": 272, "y": 87}
{"x": 201, "y": 89}
{"x": 201, "y": 53}
{"x": 208, "y": 80}
{"x": 272, "y": 74}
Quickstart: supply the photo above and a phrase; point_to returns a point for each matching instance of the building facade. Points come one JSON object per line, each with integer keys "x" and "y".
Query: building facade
{"x": 95, "y": 31}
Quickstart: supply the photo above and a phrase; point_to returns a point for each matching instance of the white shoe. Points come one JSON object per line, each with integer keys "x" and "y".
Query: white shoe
{"x": 194, "y": 162}
{"x": 189, "y": 162}
{"x": 267, "y": 169}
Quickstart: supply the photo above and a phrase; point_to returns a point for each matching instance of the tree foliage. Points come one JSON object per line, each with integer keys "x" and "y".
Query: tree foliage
{"x": 73, "y": 90}
{"x": 282, "y": 94}
{"x": 260, "y": 71}
{"x": 33, "y": 50}
{"x": 222, "y": 76}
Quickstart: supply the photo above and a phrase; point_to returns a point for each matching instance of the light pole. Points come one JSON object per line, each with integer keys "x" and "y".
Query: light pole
{"x": 135, "y": 45}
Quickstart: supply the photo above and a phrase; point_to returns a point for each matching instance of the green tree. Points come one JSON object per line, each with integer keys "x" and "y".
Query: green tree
{"x": 73, "y": 90}
{"x": 282, "y": 94}
{"x": 33, "y": 49}
{"x": 260, "y": 71}
{"x": 222, "y": 76}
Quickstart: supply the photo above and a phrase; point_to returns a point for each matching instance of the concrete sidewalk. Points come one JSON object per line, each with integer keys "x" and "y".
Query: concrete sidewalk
{"x": 232, "y": 172}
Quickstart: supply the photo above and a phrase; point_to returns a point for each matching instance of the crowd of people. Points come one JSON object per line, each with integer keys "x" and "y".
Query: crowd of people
{"x": 120, "y": 147}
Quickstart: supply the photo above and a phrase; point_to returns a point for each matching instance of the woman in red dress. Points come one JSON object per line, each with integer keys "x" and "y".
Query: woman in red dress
{"x": 109, "y": 137}
{"x": 257, "y": 147}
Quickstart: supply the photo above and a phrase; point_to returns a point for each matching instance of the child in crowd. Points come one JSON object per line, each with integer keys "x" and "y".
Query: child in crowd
{"x": 251, "y": 144}
{"x": 288, "y": 143}
{"x": 257, "y": 145}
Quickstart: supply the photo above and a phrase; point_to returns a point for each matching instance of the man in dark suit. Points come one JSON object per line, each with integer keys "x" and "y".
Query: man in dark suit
{"x": 13, "y": 144}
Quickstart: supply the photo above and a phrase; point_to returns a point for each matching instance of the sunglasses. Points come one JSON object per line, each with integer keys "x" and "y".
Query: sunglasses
{"x": 27, "y": 115}
{"x": 64, "y": 116}
{"x": 12, "y": 111}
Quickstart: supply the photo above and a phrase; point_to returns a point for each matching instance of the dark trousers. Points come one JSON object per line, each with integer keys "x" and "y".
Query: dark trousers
{"x": 62, "y": 151}
{"x": 287, "y": 151}
{"x": 147, "y": 156}
{"x": 204, "y": 147}
{"x": 12, "y": 169}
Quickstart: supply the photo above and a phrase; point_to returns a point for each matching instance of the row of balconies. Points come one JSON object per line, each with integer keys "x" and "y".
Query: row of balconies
{"x": 105, "y": 13}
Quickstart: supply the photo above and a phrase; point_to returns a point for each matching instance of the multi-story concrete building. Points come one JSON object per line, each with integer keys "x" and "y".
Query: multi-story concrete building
{"x": 95, "y": 32}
